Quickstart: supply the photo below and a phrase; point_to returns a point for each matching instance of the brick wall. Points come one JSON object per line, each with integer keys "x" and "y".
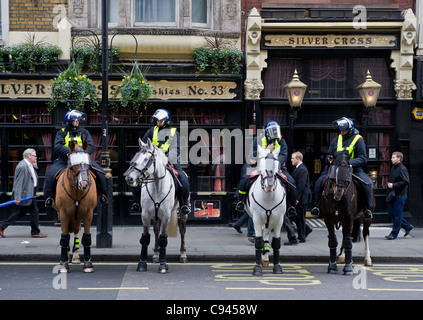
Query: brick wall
{"x": 33, "y": 15}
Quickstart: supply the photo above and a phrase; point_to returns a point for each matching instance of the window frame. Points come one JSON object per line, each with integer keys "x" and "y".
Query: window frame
{"x": 155, "y": 24}
{"x": 209, "y": 14}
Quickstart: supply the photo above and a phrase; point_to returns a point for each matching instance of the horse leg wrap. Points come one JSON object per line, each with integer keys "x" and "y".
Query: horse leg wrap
{"x": 86, "y": 242}
{"x": 259, "y": 244}
{"x": 64, "y": 243}
{"x": 332, "y": 243}
{"x": 276, "y": 245}
{"x": 75, "y": 244}
{"x": 266, "y": 247}
{"x": 162, "y": 248}
{"x": 145, "y": 241}
{"x": 347, "y": 244}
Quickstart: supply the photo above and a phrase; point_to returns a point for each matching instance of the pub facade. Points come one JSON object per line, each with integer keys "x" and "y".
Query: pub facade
{"x": 332, "y": 47}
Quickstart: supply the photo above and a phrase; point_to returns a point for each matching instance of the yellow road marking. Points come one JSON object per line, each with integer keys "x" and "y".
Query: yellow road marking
{"x": 117, "y": 288}
{"x": 389, "y": 289}
{"x": 259, "y": 288}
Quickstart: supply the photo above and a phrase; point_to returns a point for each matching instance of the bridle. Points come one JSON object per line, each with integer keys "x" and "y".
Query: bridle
{"x": 339, "y": 178}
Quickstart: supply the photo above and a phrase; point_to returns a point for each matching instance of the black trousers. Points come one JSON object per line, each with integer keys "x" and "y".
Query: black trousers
{"x": 19, "y": 212}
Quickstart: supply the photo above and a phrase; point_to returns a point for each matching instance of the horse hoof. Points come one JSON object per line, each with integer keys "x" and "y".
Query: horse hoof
{"x": 155, "y": 259}
{"x": 88, "y": 267}
{"x": 63, "y": 268}
{"x": 76, "y": 261}
{"x": 265, "y": 263}
{"x": 368, "y": 262}
{"x": 163, "y": 268}
{"x": 277, "y": 269}
{"x": 142, "y": 267}
{"x": 332, "y": 268}
{"x": 348, "y": 270}
{"x": 257, "y": 271}
{"x": 183, "y": 260}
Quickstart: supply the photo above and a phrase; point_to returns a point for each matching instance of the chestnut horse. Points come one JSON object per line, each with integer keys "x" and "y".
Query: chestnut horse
{"x": 342, "y": 205}
{"x": 76, "y": 198}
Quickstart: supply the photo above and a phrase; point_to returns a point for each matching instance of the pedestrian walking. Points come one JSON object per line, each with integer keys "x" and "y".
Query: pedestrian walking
{"x": 25, "y": 185}
{"x": 245, "y": 218}
{"x": 397, "y": 194}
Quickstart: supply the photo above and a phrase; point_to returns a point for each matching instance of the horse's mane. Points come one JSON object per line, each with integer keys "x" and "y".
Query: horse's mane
{"x": 340, "y": 159}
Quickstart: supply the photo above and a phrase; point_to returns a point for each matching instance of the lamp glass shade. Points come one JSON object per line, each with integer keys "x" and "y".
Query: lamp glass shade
{"x": 296, "y": 91}
{"x": 369, "y": 91}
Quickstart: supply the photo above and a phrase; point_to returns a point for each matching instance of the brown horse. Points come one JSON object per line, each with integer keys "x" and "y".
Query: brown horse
{"x": 342, "y": 205}
{"x": 76, "y": 198}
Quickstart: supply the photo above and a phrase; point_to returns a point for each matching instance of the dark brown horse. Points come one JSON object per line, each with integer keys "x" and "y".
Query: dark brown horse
{"x": 342, "y": 205}
{"x": 76, "y": 198}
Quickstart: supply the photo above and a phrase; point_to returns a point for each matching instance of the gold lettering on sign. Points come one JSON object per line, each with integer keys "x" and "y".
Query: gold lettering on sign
{"x": 162, "y": 90}
{"x": 330, "y": 41}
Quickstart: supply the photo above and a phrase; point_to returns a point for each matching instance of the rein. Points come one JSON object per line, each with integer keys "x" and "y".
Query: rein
{"x": 76, "y": 201}
{"x": 267, "y": 211}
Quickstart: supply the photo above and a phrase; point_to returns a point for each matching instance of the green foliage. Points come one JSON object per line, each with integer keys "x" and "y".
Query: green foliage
{"x": 87, "y": 56}
{"x": 72, "y": 89}
{"x": 134, "y": 89}
{"x": 219, "y": 61}
{"x": 28, "y": 55}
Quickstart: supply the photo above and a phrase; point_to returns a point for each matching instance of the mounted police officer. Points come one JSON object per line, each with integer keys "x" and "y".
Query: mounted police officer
{"x": 271, "y": 139}
{"x": 72, "y": 131}
{"x": 167, "y": 140}
{"x": 350, "y": 142}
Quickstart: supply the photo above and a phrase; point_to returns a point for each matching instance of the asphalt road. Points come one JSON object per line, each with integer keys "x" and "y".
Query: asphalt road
{"x": 210, "y": 282}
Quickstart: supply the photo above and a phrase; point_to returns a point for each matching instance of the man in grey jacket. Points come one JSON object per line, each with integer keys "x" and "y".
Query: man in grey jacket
{"x": 25, "y": 184}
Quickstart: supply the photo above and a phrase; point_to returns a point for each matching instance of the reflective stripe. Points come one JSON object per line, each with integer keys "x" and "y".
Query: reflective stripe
{"x": 242, "y": 192}
{"x": 165, "y": 146}
{"x": 77, "y": 139}
{"x": 350, "y": 148}
{"x": 264, "y": 143}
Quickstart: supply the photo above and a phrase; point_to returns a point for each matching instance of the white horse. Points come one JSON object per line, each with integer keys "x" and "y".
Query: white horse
{"x": 158, "y": 202}
{"x": 266, "y": 204}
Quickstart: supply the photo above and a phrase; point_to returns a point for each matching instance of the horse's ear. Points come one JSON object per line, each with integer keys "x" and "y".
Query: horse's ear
{"x": 85, "y": 145}
{"x": 72, "y": 145}
{"x": 150, "y": 145}
{"x": 141, "y": 143}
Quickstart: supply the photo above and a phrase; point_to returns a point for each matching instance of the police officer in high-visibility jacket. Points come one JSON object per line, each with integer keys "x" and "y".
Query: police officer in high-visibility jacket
{"x": 72, "y": 131}
{"x": 271, "y": 139}
{"x": 167, "y": 140}
{"x": 348, "y": 141}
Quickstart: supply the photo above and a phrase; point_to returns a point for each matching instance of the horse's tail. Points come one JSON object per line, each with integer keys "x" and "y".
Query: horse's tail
{"x": 172, "y": 230}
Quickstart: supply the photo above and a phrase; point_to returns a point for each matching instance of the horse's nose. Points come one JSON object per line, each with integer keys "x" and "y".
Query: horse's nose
{"x": 129, "y": 179}
{"x": 83, "y": 185}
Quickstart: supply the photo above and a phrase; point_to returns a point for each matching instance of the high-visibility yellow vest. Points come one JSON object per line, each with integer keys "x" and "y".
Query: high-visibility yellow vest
{"x": 77, "y": 139}
{"x": 165, "y": 146}
{"x": 264, "y": 143}
{"x": 350, "y": 148}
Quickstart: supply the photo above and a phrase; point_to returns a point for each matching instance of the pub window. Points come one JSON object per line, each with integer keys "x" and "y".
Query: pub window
{"x": 19, "y": 114}
{"x": 161, "y": 12}
{"x": 278, "y": 73}
{"x": 199, "y": 14}
{"x": 380, "y": 71}
{"x": 327, "y": 77}
{"x": 378, "y": 164}
{"x": 40, "y": 141}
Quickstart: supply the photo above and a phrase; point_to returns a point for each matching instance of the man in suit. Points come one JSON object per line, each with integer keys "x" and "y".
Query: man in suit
{"x": 25, "y": 185}
{"x": 302, "y": 180}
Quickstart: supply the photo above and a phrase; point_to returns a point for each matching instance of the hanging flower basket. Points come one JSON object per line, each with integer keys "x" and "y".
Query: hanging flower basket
{"x": 73, "y": 89}
{"x": 134, "y": 89}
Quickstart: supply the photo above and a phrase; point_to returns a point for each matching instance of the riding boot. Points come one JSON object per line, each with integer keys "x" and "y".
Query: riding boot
{"x": 184, "y": 209}
{"x": 240, "y": 206}
{"x": 49, "y": 202}
{"x": 50, "y": 198}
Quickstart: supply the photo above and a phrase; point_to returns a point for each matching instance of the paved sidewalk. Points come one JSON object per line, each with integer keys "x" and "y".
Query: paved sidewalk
{"x": 211, "y": 243}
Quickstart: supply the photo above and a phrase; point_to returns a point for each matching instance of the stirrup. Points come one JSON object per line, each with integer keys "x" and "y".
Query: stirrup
{"x": 367, "y": 214}
{"x": 292, "y": 212}
{"x": 240, "y": 206}
{"x": 103, "y": 199}
{"x": 315, "y": 212}
{"x": 185, "y": 209}
{"x": 49, "y": 202}
{"x": 135, "y": 207}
